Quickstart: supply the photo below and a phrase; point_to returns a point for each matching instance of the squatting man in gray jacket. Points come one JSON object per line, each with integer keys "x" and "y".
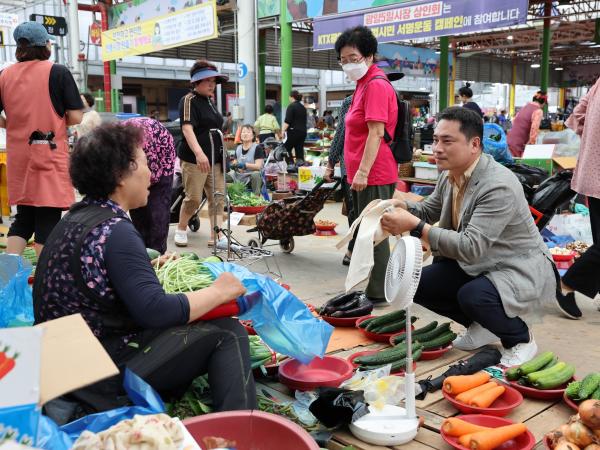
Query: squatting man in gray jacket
{"x": 491, "y": 269}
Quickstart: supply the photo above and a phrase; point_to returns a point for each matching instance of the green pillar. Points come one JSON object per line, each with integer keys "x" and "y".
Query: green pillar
{"x": 114, "y": 93}
{"x": 262, "y": 63}
{"x": 444, "y": 47}
{"x": 286, "y": 55}
{"x": 545, "y": 66}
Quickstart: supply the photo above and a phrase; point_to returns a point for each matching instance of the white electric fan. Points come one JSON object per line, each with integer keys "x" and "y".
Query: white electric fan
{"x": 394, "y": 425}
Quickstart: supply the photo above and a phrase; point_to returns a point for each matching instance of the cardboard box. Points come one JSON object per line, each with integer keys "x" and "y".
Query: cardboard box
{"x": 287, "y": 181}
{"x": 52, "y": 359}
{"x": 309, "y": 177}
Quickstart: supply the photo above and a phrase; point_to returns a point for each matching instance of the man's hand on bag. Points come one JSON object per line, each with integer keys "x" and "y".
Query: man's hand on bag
{"x": 398, "y": 222}
{"x": 202, "y": 162}
{"x": 359, "y": 183}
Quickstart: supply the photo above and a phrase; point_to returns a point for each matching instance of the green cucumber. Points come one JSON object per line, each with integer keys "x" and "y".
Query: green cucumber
{"x": 513, "y": 373}
{"x": 536, "y": 363}
{"x": 443, "y": 328}
{"x": 392, "y": 327}
{"x": 572, "y": 390}
{"x": 440, "y": 341}
{"x": 555, "y": 379}
{"x": 366, "y": 322}
{"x": 387, "y": 318}
{"x": 398, "y": 364}
{"x": 152, "y": 254}
{"x": 596, "y": 394}
{"x": 588, "y": 385}
{"x": 551, "y": 363}
{"x": 429, "y": 327}
{"x": 532, "y": 377}
{"x": 383, "y": 356}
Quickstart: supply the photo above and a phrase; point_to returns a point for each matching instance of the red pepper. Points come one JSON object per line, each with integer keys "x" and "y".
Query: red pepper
{"x": 7, "y": 365}
{"x": 3, "y": 355}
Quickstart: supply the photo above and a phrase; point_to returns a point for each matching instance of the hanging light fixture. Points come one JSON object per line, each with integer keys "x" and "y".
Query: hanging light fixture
{"x": 535, "y": 66}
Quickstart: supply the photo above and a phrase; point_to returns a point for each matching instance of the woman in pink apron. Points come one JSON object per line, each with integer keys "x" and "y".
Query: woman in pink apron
{"x": 37, "y": 151}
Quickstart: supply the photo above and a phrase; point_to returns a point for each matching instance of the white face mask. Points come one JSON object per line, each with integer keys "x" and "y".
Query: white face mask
{"x": 355, "y": 71}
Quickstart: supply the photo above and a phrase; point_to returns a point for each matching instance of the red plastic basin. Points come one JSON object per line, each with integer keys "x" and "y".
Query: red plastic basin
{"x": 341, "y": 321}
{"x": 502, "y": 406}
{"x": 251, "y": 430}
{"x": 542, "y": 394}
{"x": 330, "y": 371}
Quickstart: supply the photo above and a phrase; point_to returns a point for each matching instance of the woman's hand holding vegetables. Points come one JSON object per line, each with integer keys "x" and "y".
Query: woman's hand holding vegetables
{"x": 228, "y": 287}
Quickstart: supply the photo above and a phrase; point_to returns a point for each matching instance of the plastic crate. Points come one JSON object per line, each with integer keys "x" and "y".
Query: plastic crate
{"x": 542, "y": 163}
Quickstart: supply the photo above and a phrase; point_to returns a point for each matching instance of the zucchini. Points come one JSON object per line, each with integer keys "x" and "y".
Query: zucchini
{"x": 572, "y": 390}
{"x": 536, "y": 363}
{"x": 532, "y": 377}
{"x": 392, "y": 327}
{"x": 512, "y": 374}
{"x": 364, "y": 323}
{"x": 551, "y": 363}
{"x": 555, "y": 379}
{"x": 440, "y": 341}
{"x": 596, "y": 394}
{"x": 588, "y": 385}
{"x": 443, "y": 328}
{"x": 387, "y": 318}
{"x": 429, "y": 327}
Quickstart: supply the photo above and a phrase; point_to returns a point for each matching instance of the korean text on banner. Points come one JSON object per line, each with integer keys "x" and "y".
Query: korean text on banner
{"x": 422, "y": 19}
{"x": 195, "y": 24}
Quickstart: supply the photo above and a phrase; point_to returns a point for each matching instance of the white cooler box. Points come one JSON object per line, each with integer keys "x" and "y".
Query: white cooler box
{"x": 425, "y": 171}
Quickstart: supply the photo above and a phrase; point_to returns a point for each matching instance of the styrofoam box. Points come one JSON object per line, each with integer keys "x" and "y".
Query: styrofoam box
{"x": 425, "y": 171}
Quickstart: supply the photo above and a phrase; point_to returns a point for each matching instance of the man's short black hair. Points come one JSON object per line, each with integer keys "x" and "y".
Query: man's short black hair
{"x": 89, "y": 98}
{"x": 359, "y": 37}
{"x": 268, "y": 109}
{"x": 471, "y": 124}
{"x": 103, "y": 157}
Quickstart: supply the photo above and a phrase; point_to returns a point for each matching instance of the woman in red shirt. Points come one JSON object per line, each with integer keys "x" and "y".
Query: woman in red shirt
{"x": 371, "y": 168}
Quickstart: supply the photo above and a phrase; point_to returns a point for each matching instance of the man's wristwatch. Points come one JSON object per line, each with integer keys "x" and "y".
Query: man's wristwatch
{"x": 418, "y": 230}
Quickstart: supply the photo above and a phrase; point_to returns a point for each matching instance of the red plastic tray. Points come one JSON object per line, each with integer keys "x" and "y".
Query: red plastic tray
{"x": 570, "y": 402}
{"x": 428, "y": 355}
{"x": 525, "y": 441}
{"x": 330, "y": 371}
{"x": 564, "y": 257}
{"x": 542, "y": 394}
{"x": 325, "y": 233}
{"x": 351, "y": 359}
{"x": 502, "y": 406}
{"x": 325, "y": 227}
{"x": 384, "y": 337}
{"x": 342, "y": 321}
{"x": 249, "y": 209}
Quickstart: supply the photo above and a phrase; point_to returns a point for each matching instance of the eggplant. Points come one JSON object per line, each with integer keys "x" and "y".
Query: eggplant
{"x": 340, "y": 302}
{"x": 363, "y": 308}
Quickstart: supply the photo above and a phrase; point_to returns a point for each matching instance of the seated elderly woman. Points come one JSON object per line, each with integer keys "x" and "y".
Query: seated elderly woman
{"x": 249, "y": 159}
{"x": 95, "y": 263}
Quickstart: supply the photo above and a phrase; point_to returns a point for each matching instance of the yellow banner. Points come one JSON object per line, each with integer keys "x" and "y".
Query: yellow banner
{"x": 195, "y": 24}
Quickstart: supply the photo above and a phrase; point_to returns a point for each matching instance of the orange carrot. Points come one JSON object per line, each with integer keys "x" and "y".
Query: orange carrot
{"x": 486, "y": 398}
{"x": 465, "y": 440}
{"x": 490, "y": 439}
{"x": 461, "y": 383}
{"x": 453, "y": 426}
{"x": 467, "y": 396}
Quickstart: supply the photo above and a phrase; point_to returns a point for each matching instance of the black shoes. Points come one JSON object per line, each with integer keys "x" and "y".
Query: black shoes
{"x": 346, "y": 260}
{"x": 567, "y": 305}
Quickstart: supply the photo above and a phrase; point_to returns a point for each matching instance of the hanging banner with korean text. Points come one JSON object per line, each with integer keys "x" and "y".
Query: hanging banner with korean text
{"x": 190, "y": 25}
{"x": 422, "y": 19}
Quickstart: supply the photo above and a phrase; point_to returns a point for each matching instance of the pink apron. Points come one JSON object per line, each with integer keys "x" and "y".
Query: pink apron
{"x": 37, "y": 174}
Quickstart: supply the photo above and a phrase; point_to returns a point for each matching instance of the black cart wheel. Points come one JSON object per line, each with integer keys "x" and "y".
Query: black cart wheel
{"x": 254, "y": 243}
{"x": 287, "y": 245}
{"x": 194, "y": 223}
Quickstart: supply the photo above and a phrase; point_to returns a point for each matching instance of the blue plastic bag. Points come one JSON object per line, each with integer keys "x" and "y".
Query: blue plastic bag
{"x": 279, "y": 317}
{"x": 15, "y": 293}
{"x": 498, "y": 147}
{"x": 145, "y": 399}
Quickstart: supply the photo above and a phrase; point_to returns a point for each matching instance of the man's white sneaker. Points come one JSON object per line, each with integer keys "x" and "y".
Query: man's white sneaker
{"x": 519, "y": 354}
{"x": 181, "y": 238}
{"x": 476, "y": 336}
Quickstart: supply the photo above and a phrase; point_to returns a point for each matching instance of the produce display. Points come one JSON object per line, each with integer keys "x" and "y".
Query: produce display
{"x": 185, "y": 274}
{"x": 30, "y": 255}
{"x": 477, "y": 437}
{"x": 388, "y": 323}
{"x": 396, "y": 356}
{"x": 260, "y": 354}
{"x": 431, "y": 336}
{"x": 582, "y": 432}
{"x": 561, "y": 251}
{"x": 347, "y": 305}
{"x": 325, "y": 223}
{"x": 587, "y": 388}
{"x": 544, "y": 371}
{"x": 457, "y": 384}
{"x": 239, "y": 196}
{"x": 578, "y": 247}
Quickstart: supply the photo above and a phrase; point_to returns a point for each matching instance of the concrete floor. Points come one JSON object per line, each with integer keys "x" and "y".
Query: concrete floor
{"x": 315, "y": 273}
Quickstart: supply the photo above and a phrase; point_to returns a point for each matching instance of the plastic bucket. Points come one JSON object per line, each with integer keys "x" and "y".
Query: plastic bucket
{"x": 251, "y": 430}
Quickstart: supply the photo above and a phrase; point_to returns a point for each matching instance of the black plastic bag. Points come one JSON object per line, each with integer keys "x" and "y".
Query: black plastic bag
{"x": 530, "y": 174}
{"x": 335, "y": 407}
{"x": 553, "y": 192}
